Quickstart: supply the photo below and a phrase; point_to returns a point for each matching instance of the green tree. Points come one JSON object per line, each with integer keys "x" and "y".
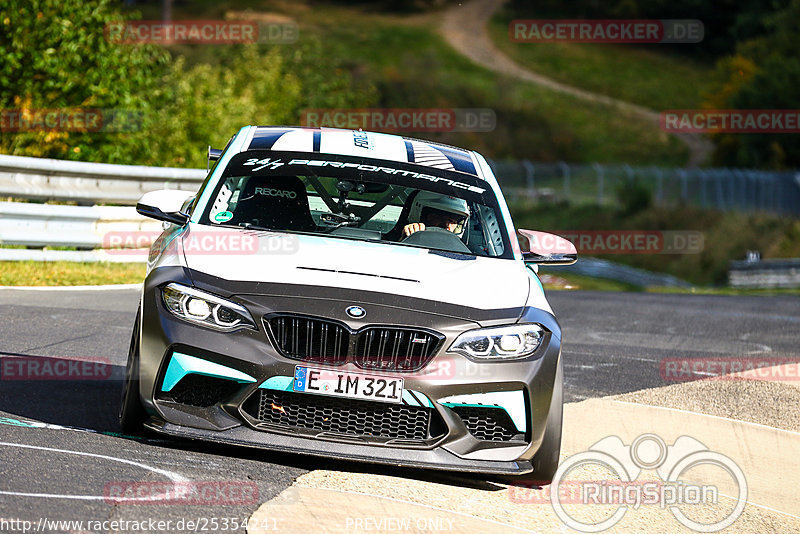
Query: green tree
{"x": 56, "y": 56}
{"x": 209, "y": 102}
{"x": 764, "y": 74}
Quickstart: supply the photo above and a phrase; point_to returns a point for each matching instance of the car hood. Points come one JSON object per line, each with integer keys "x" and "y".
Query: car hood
{"x": 253, "y": 256}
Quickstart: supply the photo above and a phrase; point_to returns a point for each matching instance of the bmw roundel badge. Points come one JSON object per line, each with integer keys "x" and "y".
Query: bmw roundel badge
{"x": 356, "y": 312}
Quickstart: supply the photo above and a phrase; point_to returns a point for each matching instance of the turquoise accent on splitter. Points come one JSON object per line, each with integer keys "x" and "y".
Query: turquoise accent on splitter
{"x": 181, "y": 365}
{"x": 279, "y": 383}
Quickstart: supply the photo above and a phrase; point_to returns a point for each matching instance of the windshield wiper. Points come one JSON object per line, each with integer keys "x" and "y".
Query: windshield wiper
{"x": 251, "y": 226}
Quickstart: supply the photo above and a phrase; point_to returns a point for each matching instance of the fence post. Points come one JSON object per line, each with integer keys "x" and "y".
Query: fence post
{"x": 703, "y": 194}
{"x": 530, "y": 171}
{"x": 629, "y": 172}
{"x": 684, "y": 186}
{"x": 565, "y": 172}
{"x": 600, "y": 175}
{"x": 659, "y": 185}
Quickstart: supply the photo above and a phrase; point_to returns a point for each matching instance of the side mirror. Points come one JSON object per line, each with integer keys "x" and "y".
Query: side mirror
{"x": 213, "y": 155}
{"x": 165, "y": 205}
{"x": 546, "y": 249}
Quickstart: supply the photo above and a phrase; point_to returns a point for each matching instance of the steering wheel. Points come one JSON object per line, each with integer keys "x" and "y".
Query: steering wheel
{"x": 438, "y": 238}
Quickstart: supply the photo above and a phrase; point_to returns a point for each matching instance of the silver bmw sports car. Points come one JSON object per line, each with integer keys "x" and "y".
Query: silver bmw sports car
{"x": 352, "y": 295}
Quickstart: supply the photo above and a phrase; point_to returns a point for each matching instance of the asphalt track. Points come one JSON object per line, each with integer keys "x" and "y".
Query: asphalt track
{"x": 60, "y": 451}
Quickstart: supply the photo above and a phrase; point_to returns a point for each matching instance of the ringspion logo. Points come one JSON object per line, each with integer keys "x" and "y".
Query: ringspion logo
{"x": 607, "y": 500}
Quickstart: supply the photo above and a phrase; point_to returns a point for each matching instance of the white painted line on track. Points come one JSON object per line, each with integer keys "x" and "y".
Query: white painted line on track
{"x": 708, "y": 415}
{"x": 174, "y": 477}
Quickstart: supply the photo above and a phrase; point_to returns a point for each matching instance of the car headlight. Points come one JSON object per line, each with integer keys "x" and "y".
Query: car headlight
{"x": 204, "y": 308}
{"x": 499, "y": 342}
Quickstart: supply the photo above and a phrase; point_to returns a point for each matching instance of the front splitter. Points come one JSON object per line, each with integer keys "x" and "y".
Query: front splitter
{"x": 438, "y": 459}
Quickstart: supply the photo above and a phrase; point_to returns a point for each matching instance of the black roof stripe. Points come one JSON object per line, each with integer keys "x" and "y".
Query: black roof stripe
{"x": 264, "y": 138}
{"x": 409, "y": 151}
{"x": 317, "y": 140}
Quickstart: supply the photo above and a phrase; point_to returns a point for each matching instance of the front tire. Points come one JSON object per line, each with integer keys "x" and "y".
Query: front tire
{"x": 131, "y": 412}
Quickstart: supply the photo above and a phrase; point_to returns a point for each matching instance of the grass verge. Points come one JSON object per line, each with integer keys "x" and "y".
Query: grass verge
{"x": 65, "y": 273}
{"x": 637, "y": 74}
{"x": 409, "y": 65}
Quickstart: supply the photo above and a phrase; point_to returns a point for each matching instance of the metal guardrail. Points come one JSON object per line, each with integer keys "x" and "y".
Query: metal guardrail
{"x": 598, "y": 268}
{"x": 86, "y": 227}
{"x": 776, "y": 273}
{"x": 89, "y": 183}
{"x": 48, "y": 225}
{"x": 717, "y": 188}
{"x": 725, "y": 189}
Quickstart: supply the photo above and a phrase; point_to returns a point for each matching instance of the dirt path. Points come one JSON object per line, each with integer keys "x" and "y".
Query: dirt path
{"x": 464, "y": 27}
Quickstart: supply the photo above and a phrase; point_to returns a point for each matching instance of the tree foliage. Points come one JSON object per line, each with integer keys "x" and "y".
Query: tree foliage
{"x": 57, "y": 57}
{"x": 763, "y": 74}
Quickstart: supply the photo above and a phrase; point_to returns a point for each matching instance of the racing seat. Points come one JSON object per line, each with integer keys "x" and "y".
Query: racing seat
{"x": 275, "y": 202}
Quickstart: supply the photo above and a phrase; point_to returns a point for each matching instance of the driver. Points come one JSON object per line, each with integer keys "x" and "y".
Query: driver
{"x": 436, "y": 210}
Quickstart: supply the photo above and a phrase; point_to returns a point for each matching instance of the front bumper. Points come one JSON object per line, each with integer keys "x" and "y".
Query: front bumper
{"x": 249, "y": 353}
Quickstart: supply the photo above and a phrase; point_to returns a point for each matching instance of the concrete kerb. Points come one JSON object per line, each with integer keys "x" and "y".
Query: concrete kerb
{"x": 343, "y": 502}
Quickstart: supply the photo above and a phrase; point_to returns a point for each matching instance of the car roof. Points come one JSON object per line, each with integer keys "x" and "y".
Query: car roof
{"x": 364, "y": 144}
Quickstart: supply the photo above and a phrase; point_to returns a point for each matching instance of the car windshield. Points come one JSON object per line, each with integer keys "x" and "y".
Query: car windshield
{"x": 359, "y": 198}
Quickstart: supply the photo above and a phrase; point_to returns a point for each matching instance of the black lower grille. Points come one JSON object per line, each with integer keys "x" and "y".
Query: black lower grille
{"x": 202, "y": 391}
{"x": 488, "y": 423}
{"x": 341, "y": 416}
{"x": 381, "y": 348}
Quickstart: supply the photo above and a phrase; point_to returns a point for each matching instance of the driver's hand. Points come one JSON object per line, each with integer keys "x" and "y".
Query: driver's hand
{"x": 411, "y": 228}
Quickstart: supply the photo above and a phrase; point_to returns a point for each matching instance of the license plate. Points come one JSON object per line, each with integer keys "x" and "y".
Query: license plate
{"x": 350, "y": 385}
